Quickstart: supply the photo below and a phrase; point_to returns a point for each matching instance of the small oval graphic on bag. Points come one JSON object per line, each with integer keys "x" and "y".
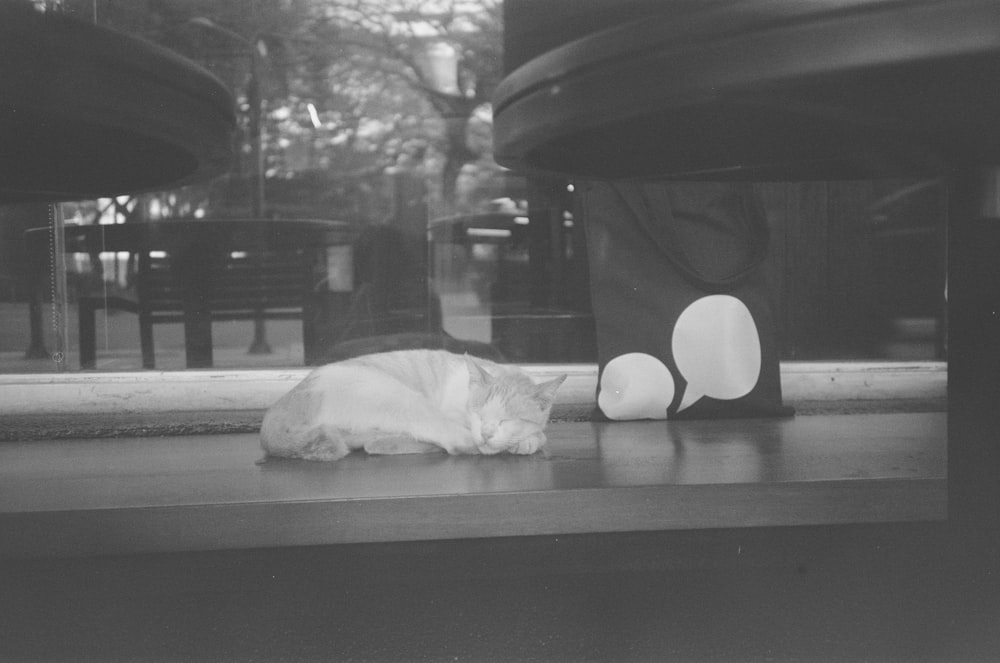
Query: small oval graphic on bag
{"x": 635, "y": 386}
{"x": 717, "y": 349}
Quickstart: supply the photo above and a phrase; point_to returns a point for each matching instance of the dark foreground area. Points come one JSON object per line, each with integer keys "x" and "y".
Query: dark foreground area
{"x": 712, "y": 596}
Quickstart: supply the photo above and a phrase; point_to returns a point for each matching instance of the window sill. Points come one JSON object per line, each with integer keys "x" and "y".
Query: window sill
{"x": 204, "y": 492}
{"x": 82, "y": 473}
{"x": 72, "y": 405}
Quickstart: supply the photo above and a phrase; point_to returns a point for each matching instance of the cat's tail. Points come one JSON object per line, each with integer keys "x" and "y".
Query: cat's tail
{"x": 275, "y": 432}
{"x": 315, "y": 443}
{"x": 290, "y": 428}
{"x": 289, "y": 432}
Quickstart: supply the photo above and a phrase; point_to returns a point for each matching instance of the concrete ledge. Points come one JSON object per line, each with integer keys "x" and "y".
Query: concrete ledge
{"x": 255, "y": 390}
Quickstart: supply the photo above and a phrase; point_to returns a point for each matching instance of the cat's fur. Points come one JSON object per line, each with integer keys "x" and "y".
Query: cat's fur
{"x": 410, "y": 401}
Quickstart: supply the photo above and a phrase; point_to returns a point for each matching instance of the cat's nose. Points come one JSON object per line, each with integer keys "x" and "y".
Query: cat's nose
{"x": 489, "y": 430}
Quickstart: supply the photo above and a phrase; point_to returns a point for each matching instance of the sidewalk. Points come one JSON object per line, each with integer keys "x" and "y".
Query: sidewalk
{"x": 118, "y": 342}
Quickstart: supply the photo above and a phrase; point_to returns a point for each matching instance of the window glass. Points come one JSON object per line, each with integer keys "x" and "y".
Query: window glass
{"x": 363, "y": 211}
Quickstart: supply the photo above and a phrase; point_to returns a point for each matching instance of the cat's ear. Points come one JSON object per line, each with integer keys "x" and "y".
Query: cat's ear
{"x": 546, "y": 391}
{"x": 477, "y": 374}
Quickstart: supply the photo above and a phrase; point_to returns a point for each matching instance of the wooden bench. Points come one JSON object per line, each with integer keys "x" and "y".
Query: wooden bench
{"x": 199, "y": 271}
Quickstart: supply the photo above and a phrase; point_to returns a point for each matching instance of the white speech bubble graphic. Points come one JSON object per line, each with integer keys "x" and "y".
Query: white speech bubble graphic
{"x": 635, "y": 386}
{"x": 717, "y": 349}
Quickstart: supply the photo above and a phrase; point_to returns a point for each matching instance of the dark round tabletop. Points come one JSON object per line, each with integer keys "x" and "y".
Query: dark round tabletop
{"x": 87, "y": 112}
{"x": 763, "y": 89}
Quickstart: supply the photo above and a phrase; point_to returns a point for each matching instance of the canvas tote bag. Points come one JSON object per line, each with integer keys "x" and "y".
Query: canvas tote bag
{"x": 684, "y": 322}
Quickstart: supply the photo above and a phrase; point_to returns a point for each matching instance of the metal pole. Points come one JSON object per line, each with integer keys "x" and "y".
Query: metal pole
{"x": 259, "y": 345}
{"x": 60, "y": 306}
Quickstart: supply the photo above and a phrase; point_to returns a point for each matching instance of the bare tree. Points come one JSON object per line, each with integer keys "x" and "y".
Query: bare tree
{"x": 449, "y": 52}
{"x": 391, "y": 82}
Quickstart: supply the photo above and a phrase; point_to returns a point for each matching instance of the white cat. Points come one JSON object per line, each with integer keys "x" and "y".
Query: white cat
{"x": 410, "y": 401}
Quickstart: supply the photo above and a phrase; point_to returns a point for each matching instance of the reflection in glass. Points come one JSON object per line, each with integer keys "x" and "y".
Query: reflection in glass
{"x": 378, "y": 121}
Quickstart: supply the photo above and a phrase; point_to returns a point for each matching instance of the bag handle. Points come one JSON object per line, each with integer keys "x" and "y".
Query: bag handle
{"x": 665, "y": 237}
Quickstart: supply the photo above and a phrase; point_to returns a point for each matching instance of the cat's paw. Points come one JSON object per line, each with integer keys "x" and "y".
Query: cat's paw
{"x": 325, "y": 452}
{"x": 486, "y": 449}
{"x": 459, "y": 441}
{"x": 528, "y": 445}
{"x": 399, "y": 444}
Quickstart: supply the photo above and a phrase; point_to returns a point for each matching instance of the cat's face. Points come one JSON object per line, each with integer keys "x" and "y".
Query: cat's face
{"x": 508, "y": 412}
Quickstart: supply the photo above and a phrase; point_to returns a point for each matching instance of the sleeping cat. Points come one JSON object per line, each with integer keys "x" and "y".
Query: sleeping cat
{"x": 410, "y": 401}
